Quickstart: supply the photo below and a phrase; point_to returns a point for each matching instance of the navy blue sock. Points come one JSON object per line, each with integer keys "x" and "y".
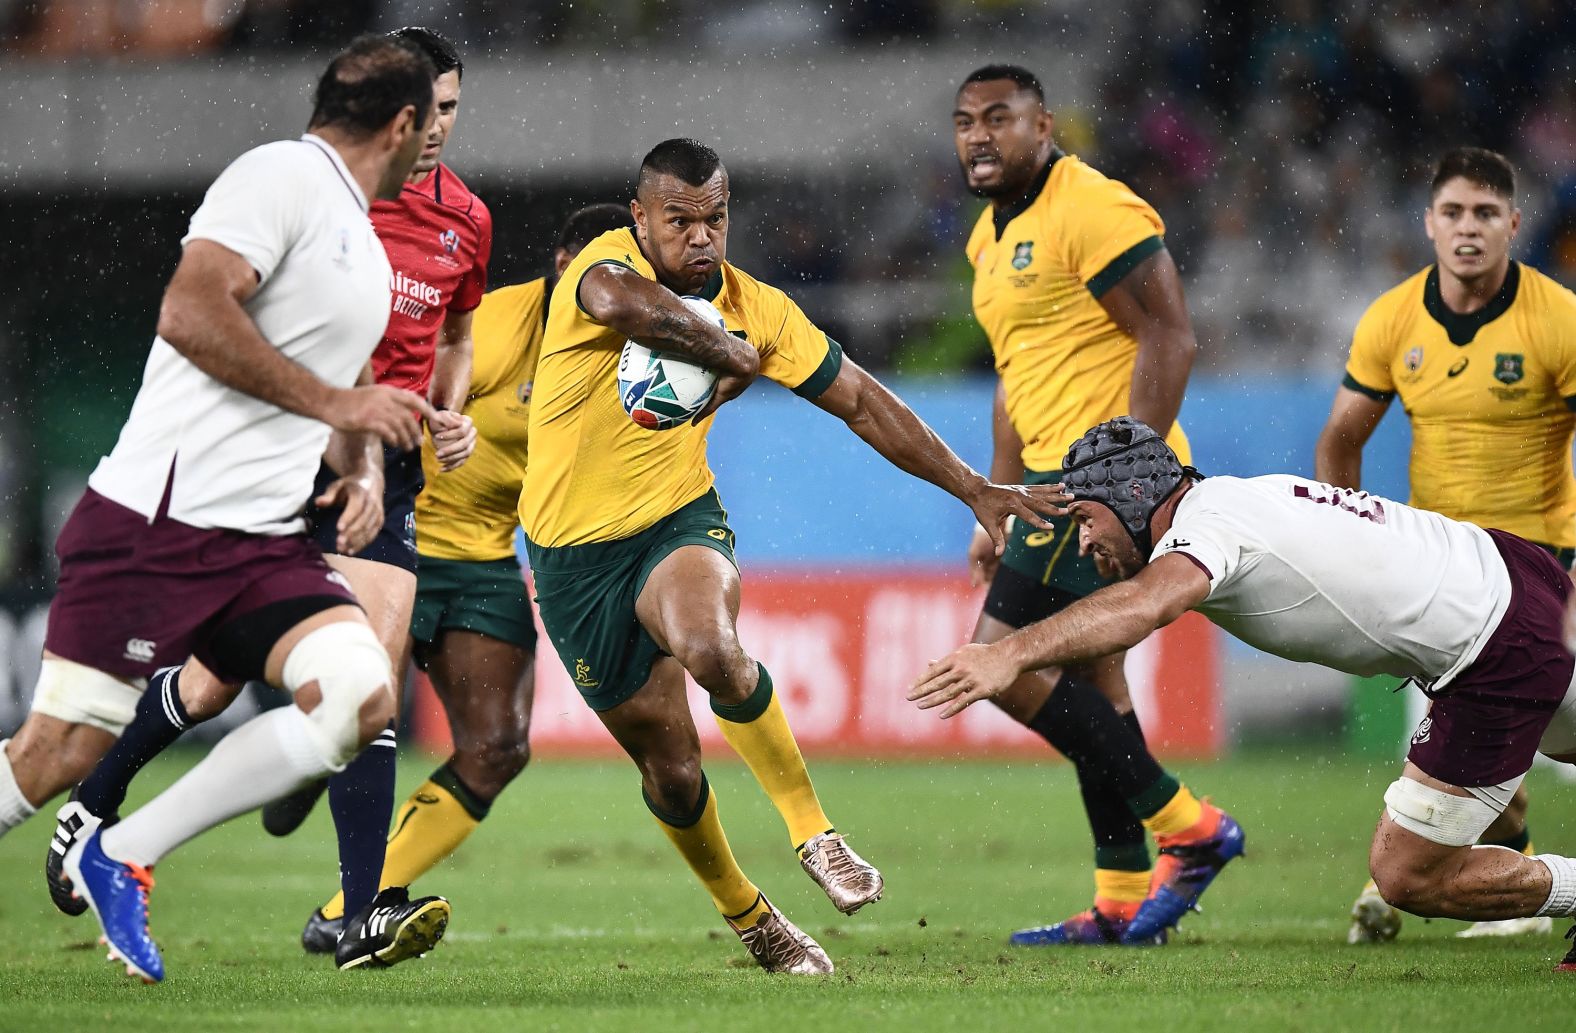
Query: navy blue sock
{"x": 362, "y": 801}
{"x": 159, "y": 721}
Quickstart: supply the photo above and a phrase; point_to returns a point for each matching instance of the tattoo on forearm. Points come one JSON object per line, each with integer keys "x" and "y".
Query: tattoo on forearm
{"x": 691, "y": 341}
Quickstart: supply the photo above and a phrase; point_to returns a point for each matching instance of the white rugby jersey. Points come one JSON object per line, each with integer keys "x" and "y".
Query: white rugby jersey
{"x": 292, "y": 210}
{"x": 1342, "y": 578}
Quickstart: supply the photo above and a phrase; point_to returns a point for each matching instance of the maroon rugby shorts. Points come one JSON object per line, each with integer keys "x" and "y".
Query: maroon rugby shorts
{"x": 136, "y": 595}
{"x": 1485, "y": 725}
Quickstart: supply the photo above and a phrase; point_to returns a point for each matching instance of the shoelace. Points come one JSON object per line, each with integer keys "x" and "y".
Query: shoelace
{"x": 838, "y": 862}
{"x": 143, "y": 877}
{"x": 771, "y": 935}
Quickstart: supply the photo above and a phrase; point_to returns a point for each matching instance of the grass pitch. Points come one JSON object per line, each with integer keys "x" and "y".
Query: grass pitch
{"x": 571, "y": 913}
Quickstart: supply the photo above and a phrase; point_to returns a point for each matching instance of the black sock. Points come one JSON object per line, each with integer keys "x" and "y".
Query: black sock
{"x": 1517, "y": 842}
{"x": 1105, "y": 747}
{"x": 159, "y": 721}
{"x": 361, "y": 798}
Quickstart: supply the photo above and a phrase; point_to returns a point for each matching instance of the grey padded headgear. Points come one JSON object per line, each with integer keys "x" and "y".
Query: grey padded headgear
{"x": 1127, "y": 468}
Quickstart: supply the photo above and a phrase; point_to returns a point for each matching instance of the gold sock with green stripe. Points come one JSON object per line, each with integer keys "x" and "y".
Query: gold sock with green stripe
{"x": 699, "y": 839}
{"x": 432, "y": 822}
{"x": 1178, "y": 810}
{"x": 758, "y": 731}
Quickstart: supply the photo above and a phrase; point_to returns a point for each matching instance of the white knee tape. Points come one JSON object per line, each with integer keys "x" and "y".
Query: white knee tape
{"x": 84, "y": 696}
{"x": 1437, "y": 816}
{"x": 350, "y": 666}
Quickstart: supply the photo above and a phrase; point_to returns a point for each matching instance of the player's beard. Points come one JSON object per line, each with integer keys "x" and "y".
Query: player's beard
{"x": 991, "y": 193}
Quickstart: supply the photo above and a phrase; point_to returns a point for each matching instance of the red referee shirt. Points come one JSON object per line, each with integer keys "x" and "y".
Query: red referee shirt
{"x": 438, "y": 236}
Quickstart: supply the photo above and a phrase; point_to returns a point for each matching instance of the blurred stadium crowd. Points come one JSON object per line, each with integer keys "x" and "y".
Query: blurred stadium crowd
{"x": 1285, "y": 142}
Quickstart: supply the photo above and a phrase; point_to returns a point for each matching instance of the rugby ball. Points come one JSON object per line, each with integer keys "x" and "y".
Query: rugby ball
{"x": 660, "y": 390}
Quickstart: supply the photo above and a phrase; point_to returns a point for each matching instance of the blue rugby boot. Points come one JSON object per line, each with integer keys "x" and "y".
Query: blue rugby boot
{"x": 118, "y": 894}
{"x": 1183, "y": 871}
{"x": 1092, "y": 928}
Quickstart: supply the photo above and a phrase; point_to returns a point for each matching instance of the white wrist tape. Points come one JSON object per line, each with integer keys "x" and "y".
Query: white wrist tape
{"x": 1437, "y": 816}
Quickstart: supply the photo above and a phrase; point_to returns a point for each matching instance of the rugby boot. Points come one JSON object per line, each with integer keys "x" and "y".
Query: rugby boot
{"x": 777, "y": 945}
{"x": 391, "y": 929}
{"x": 847, "y": 879}
{"x": 118, "y": 894}
{"x": 1373, "y": 919}
{"x": 1091, "y": 928}
{"x": 321, "y": 935}
{"x": 72, "y": 822}
{"x": 1568, "y": 963}
{"x": 284, "y": 815}
{"x": 1537, "y": 925}
{"x": 1183, "y": 871}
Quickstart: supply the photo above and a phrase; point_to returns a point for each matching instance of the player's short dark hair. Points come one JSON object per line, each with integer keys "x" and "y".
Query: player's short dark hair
{"x": 368, "y": 83}
{"x": 591, "y": 222}
{"x": 440, "y": 50}
{"x": 1025, "y": 79}
{"x": 688, "y": 161}
{"x": 1488, "y": 169}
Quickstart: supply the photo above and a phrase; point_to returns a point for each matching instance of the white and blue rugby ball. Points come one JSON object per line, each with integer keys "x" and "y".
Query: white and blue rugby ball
{"x": 660, "y": 390}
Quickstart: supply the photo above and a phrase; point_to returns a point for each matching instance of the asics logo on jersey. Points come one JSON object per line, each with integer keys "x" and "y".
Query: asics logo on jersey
{"x": 717, "y": 533}
{"x": 1038, "y": 538}
{"x": 1458, "y": 369}
{"x": 139, "y": 649}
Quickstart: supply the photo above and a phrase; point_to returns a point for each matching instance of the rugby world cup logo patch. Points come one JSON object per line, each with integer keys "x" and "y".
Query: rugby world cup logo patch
{"x": 450, "y": 241}
{"x": 1414, "y": 359}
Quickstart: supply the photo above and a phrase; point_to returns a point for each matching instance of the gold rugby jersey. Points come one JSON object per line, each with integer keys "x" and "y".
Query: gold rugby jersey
{"x": 594, "y": 475}
{"x": 470, "y": 513}
{"x": 1489, "y": 395}
{"x": 1040, "y": 267}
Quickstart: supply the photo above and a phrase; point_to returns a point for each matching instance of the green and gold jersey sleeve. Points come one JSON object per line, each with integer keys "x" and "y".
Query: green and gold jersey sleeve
{"x": 1106, "y": 231}
{"x": 799, "y": 355}
{"x": 1562, "y": 331}
{"x": 1368, "y": 367}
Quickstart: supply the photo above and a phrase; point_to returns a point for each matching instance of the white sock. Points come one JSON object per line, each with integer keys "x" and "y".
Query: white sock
{"x": 14, "y": 808}
{"x": 269, "y": 756}
{"x": 1562, "y": 889}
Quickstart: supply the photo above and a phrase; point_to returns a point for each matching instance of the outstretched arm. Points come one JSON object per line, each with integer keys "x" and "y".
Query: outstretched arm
{"x": 891, "y": 428}
{"x": 1110, "y": 620}
{"x": 1148, "y": 304}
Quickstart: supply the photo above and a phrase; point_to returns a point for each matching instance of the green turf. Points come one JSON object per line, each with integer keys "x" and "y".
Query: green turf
{"x": 570, "y": 913}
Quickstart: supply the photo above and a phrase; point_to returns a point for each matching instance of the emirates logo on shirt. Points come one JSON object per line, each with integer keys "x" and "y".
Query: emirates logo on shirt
{"x": 412, "y": 297}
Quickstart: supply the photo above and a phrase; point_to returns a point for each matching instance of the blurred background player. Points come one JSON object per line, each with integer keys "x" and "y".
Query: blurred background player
{"x": 472, "y": 626}
{"x": 1081, "y": 302}
{"x": 211, "y": 557}
{"x": 630, "y": 549}
{"x": 1481, "y": 350}
{"x": 438, "y": 236}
